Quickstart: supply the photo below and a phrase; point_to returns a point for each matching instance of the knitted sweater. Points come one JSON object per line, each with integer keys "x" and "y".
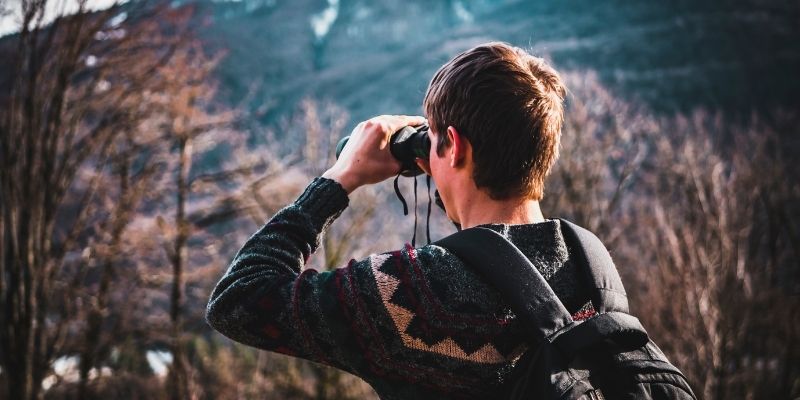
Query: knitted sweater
{"x": 414, "y": 323}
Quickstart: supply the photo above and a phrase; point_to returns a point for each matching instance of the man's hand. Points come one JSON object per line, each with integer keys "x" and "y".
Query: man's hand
{"x": 366, "y": 158}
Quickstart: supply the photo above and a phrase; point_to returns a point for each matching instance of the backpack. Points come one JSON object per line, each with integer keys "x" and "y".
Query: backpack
{"x": 607, "y": 356}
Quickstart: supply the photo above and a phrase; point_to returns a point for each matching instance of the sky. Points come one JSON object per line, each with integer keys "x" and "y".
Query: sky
{"x": 10, "y": 23}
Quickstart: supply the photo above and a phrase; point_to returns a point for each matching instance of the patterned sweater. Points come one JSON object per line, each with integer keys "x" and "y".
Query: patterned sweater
{"x": 414, "y": 323}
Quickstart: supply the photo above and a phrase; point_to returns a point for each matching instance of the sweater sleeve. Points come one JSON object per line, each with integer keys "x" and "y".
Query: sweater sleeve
{"x": 413, "y": 323}
{"x": 267, "y": 300}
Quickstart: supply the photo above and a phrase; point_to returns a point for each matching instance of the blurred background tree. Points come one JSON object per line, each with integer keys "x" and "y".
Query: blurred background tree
{"x": 74, "y": 169}
{"x": 142, "y": 143}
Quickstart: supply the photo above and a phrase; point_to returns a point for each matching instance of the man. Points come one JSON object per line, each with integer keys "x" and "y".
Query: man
{"x": 417, "y": 323}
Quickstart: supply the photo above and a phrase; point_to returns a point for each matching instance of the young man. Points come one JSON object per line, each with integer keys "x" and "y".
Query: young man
{"x": 417, "y": 323}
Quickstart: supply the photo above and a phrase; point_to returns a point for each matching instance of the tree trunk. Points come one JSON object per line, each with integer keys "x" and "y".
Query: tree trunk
{"x": 180, "y": 383}
{"x": 93, "y": 343}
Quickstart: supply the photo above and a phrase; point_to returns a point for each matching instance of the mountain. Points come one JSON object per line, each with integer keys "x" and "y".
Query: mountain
{"x": 374, "y": 57}
{"x": 377, "y": 56}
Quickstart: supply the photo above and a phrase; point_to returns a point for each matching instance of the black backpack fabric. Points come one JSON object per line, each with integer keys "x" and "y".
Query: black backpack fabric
{"x": 607, "y": 356}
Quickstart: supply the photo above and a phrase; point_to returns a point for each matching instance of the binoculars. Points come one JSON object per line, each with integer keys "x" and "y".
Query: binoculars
{"x": 406, "y": 145}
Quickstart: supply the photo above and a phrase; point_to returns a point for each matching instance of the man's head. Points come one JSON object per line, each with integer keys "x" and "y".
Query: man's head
{"x": 509, "y": 106}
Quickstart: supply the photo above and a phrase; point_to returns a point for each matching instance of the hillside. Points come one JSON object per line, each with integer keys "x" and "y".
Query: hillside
{"x": 377, "y": 56}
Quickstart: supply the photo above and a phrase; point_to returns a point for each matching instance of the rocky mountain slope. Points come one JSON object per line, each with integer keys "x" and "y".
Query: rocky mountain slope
{"x": 377, "y": 56}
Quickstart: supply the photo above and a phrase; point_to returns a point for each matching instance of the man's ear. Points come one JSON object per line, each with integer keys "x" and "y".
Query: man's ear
{"x": 458, "y": 151}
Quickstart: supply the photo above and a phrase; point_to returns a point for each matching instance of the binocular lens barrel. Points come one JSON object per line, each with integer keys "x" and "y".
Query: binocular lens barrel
{"x": 406, "y": 145}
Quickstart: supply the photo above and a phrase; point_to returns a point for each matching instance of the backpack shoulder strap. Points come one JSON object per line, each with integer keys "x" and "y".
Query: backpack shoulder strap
{"x": 608, "y": 294}
{"x": 502, "y": 265}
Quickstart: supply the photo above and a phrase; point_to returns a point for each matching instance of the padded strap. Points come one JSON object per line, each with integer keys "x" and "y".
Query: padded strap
{"x": 622, "y": 329}
{"x": 502, "y": 265}
{"x": 593, "y": 258}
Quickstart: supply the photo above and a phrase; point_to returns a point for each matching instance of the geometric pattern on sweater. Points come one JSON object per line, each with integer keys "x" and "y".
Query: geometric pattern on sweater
{"x": 388, "y": 285}
{"x": 405, "y": 371}
{"x": 415, "y": 326}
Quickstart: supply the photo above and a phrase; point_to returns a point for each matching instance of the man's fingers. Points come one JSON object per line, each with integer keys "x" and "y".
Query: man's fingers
{"x": 412, "y": 120}
{"x": 419, "y": 120}
{"x": 387, "y": 125}
{"x": 399, "y": 121}
{"x": 388, "y": 129}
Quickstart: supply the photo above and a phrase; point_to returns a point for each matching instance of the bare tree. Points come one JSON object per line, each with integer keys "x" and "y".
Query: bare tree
{"x": 186, "y": 117}
{"x": 721, "y": 232}
{"x": 700, "y": 215}
{"x": 70, "y": 102}
{"x": 132, "y": 186}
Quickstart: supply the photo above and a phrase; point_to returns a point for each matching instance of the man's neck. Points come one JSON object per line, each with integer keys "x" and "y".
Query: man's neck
{"x": 478, "y": 209}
